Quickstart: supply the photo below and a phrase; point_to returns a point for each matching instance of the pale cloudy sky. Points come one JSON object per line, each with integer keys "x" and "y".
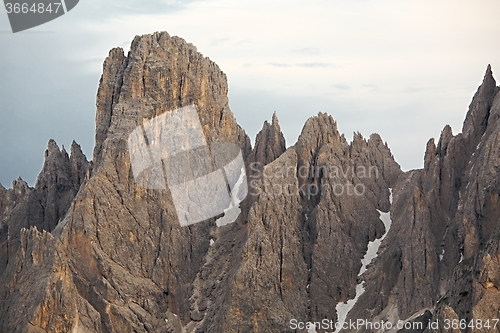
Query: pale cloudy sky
{"x": 401, "y": 68}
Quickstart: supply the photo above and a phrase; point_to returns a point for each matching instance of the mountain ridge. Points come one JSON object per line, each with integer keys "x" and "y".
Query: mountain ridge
{"x": 88, "y": 250}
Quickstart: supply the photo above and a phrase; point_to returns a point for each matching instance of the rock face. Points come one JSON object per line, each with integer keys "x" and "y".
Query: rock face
{"x": 118, "y": 261}
{"x": 320, "y": 191}
{"x": 269, "y": 144}
{"x": 89, "y": 250}
{"x": 28, "y": 256}
{"x": 474, "y": 285}
{"x": 448, "y": 213}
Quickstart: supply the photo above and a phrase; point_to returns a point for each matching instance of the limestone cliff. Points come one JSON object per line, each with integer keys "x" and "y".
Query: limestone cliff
{"x": 447, "y": 213}
{"x": 89, "y": 249}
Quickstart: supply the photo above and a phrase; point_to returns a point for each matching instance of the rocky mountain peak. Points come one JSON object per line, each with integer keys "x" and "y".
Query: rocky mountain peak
{"x": 444, "y": 140}
{"x": 9, "y": 198}
{"x": 58, "y": 182}
{"x": 107, "y": 96}
{"x": 275, "y": 119}
{"x": 54, "y": 167}
{"x": 476, "y": 119}
{"x": 78, "y": 164}
{"x": 319, "y": 130}
{"x": 269, "y": 143}
{"x": 52, "y": 148}
{"x": 430, "y": 153}
{"x": 91, "y": 250}
{"x": 160, "y": 74}
{"x": 20, "y": 187}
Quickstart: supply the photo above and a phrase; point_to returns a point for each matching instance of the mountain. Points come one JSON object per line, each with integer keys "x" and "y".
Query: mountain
{"x": 330, "y": 229}
{"x": 448, "y": 213}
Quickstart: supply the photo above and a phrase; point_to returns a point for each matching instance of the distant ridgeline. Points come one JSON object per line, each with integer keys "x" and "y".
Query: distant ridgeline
{"x": 329, "y": 232}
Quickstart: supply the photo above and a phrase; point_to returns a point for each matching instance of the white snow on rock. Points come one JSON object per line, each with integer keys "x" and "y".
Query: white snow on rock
{"x": 343, "y": 309}
{"x": 233, "y": 211}
{"x": 441, "y": 256}
{"x": 373, "y": 247}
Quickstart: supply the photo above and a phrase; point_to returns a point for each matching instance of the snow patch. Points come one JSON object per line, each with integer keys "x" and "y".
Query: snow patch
{"x": 441, "y": 256}
{"x": 343, "y": 309}
{"x": 232, "y": 212}
{"x": 373, "y": 247}
{"x": 390, "y": 195}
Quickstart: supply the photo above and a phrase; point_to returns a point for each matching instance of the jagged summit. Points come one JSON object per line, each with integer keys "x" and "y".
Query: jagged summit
{"x": 449, "y": 206}
{"x": 321, "y": 128}
{"x": 269, "y": 143}
{"x": 159, "y": 74}
{"x": 89, "y": 250}
{"x": 476, "y": 119}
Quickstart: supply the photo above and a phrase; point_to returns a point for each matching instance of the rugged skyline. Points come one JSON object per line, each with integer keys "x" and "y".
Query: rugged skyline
{"x": 397, "y": 68}
{"x": 89, "y": 249}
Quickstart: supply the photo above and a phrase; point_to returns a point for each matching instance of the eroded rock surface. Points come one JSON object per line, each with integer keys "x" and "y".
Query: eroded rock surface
{"x": 447, "y": 212}
{"x": 90, "y": 250}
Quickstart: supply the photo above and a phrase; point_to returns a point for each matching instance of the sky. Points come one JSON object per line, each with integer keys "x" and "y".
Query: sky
{"x": 403, "y": 69}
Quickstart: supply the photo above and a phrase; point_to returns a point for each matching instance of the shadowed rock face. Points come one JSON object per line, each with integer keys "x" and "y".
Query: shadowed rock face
{"x": 474, "y": 286}
{"x": 89, "y": 250}
{"x": 447, "y": 212}
{"x": 304, "y": 247}
{"x": 118, "y": 261}
{"x": 27, "y": 257}
{"x": 46, "y": 204}
{"x": 269, "y": 144}
{"x": 56, "y": 186}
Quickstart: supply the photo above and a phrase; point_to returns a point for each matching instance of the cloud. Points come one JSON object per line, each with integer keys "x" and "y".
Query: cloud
{"x": 317, "y": 65}
{"x": 113, "y": 9}
{"x": 371, "y": 87}
{"x": 341, "y": 86}
{"x": 307, "y": 50}
{"x": 49, "y": 80}
{"x": 218, "y": 41}
{"x": 414, "y": 89}
{"x": 304, "y": 65}
{"x": 279, "y": 64}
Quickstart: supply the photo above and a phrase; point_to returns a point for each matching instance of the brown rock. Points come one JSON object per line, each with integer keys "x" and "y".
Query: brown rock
{"x": 89, "y": 249}
{"x": 269, "y": 144}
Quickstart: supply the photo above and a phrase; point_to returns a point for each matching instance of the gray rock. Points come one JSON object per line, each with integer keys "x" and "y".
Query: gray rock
{"x": 447, "y": 212}
{"x": 89, "y": 249}
{"x": 269, "y": 144}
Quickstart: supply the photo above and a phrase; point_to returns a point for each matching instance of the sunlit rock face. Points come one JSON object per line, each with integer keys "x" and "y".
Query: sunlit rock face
{"x": 305, "y": 228}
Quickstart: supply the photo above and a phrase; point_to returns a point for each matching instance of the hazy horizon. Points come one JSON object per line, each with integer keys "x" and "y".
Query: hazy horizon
{"x": 400, "y": 69}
